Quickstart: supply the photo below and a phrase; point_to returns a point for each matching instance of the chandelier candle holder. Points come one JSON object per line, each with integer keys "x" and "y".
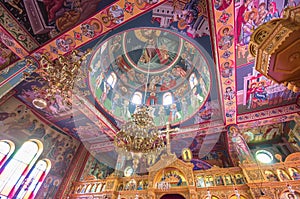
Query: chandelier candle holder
{"x": 139, "y": 137}
{"x": 57, "y": 77}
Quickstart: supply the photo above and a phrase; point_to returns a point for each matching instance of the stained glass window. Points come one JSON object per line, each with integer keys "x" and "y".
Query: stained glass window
{"x": 18, "y": 167}
{"x": 35, "y": 179}
{"x": 6, "y": 149}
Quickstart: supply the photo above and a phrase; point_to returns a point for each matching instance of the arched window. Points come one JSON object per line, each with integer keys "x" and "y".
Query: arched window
{"x": 18, "y": 167}
{"x": 35, "y": 179}
{"x": 112, "y": 79}
{"x": 137, "y": 98}
{"x": 167, "y": 99}
{"x": 264, "y": 156}
{"x": 6, "y": 149}
{"x": 193, "y": 80}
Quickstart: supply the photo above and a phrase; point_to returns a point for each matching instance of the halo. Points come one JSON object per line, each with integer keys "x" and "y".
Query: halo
{"x": 230, "y": 64}
{"x": 139, "y": 4}
{"x": 141, "y": 37}
{"x": 222, "y": 29}
{"x": 72, "y": 44}
{"x": 247, "y": 14}
{"x": 233, "y": 127}
{"x": 98, "y": 23}
{"x": 182, "y": 24}
{"x": 106, "y": 23}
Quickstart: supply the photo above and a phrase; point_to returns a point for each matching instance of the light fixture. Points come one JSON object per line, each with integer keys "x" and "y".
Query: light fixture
{"x": 57, "y": 78}
{"x": 139, "y": 137}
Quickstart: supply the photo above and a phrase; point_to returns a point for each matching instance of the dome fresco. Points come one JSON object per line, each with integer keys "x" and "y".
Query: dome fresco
{"x": 149, "y": 66}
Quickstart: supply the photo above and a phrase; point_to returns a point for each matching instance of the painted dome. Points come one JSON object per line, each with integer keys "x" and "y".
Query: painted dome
{"x": 149, "y": 66}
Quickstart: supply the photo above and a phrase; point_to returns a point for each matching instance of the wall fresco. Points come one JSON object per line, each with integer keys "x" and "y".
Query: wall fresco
{"x": 19, "y": 124}
{"x": 110, "y": 17}
{"x": 262, "y": 133}
{"x": 255, "y": 92}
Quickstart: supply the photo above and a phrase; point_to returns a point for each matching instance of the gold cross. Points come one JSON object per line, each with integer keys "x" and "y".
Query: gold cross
{"x": 167, "y": 131}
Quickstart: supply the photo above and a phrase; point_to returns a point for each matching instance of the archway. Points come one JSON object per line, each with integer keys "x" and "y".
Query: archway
{"x": 172, "y": 196}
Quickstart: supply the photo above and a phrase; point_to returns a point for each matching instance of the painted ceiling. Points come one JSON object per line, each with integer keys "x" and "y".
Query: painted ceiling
{"x": 194, "y": 49}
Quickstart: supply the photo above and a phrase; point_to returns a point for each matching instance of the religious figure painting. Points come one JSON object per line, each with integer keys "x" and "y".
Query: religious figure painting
{"x": 256, "y": 92}
{"x": 239, "y": 144}
{"x": 186, "y": 154}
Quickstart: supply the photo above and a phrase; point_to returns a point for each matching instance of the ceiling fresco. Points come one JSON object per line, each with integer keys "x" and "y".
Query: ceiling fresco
{"x": 195, "y": 52}
{"x": 44, "y": 20}
{"x": 153, "y": 67}
{"x": 188, "y": 73}
{"x": 255, "y": 92}
{"x": 250, "y": 14}
{"x": 7, "y": 57}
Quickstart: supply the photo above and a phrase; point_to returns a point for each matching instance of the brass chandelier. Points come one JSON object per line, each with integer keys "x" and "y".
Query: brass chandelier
{"x": 57, "y": 78}
{"x": 139, "y": 137}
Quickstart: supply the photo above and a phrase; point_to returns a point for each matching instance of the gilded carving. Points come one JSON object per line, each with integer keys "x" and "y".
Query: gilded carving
{"x": 254, "y": 185}
{"x": 276, "y": 43}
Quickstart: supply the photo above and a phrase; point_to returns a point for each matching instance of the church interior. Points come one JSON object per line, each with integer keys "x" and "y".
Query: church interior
{"x": 149, "y": 99}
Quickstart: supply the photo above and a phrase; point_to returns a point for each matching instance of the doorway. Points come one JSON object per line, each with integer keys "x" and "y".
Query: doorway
{"x": 172, "y": 196}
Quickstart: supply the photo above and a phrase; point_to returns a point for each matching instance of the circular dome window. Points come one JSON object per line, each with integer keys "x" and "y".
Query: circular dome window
{"x": 264, "y": 156}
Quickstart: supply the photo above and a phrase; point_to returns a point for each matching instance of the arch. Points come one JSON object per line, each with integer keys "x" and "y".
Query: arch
{"x": 293, "y": 157}
{"x": 167, "y": 98}
{"x": 211, "y": 197}
{"x": 35, "y": 179}
{"x": 7, "y": 147}
{"x": 99, "y": 187}
{"x": 294, "y": 173}
{"x": 112, "y": 79}
{"x": 170, "y": 174}
{"x": 233, "y": 196}
{"x": 137, "y": 98}
{"x": 19, "y": 166}
{"x": 172, "y": 196}
{"x": 286, "y": 194}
